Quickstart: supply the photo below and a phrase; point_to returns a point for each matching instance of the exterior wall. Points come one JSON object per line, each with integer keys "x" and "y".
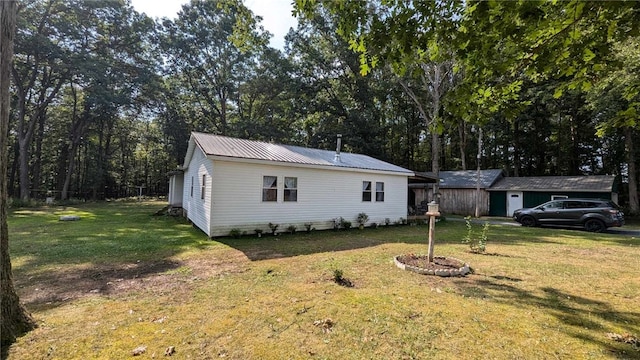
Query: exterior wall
{"x": 176, "y": 188}
{"x": 420, "y": 196}
{"x": 198, "y": 210}
{"x": 323, "y": 195}
{"x": 462, "y": 201}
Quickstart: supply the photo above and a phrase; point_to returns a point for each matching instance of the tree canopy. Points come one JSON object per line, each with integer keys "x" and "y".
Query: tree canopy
{"x": 104, "y": 98}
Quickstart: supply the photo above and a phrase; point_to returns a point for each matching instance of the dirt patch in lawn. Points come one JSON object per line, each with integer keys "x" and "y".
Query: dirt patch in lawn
{"x": 51, "y": 288}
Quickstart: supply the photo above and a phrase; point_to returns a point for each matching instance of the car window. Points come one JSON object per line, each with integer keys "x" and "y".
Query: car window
{"x": 552, "y": 205}
{"x": 574, "y": 204}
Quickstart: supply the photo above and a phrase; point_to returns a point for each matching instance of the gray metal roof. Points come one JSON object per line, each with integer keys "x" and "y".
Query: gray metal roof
{"x": 467, "y": 179}
{"x": 594, "y": 183}
{"x": 216, "y": 145}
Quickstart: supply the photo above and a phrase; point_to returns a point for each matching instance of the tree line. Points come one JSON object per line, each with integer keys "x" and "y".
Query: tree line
{"x": 104, "y": 98}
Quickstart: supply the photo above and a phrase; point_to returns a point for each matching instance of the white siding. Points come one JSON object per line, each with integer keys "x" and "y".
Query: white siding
{"x": 198, "y": 210}
{"x": 322, "y": 196}
{"x": 176, "y": 187}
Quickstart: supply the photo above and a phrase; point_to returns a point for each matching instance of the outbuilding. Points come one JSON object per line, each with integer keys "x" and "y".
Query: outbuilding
{"x": 462, "y": 190}
{"x": 512, "y": 193}
{"x": 245, "y": 185}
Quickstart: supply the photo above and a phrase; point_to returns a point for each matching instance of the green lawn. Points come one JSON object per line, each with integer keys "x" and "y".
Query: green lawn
{"x": 120, "y": 278}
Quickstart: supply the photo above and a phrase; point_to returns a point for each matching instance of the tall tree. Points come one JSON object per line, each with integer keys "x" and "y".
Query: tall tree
{"x": 615, "y": 100}
{"x": 208, "y": 48}
{"x": 41, "y": 67}
{"x": 14, "y": 319}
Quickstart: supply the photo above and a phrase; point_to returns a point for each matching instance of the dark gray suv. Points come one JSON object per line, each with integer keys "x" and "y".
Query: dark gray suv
{"x": 593, "y": 214}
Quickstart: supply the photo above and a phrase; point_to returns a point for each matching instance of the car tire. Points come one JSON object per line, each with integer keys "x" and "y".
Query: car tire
{"x": 594, "y": 225}
{"x": 528, "y": 221}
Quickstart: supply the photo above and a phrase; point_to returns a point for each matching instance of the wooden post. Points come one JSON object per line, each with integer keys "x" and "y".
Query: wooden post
{"x": 432, "y": 214}
{"x": 432, "y": 231}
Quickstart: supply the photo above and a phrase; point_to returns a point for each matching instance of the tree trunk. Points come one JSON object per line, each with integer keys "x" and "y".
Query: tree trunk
{"x": 23, "y": 143}
{"x": 631, "y": 162}
{"x": 37, "y": 166}
{"x": 462, "y": 133}
{"x": 14, "y": 320}
{"x": 64, "y": 195}
{"x": 516, "y": 150}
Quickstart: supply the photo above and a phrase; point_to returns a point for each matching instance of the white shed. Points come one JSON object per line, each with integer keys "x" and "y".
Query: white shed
{"x": 232, "y": 183}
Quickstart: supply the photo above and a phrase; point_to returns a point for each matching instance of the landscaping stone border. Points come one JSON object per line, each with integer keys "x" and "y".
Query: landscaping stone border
{"x": 462, "y": 271}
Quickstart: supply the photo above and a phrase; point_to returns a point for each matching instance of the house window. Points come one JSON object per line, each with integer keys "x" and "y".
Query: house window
{"x": 290, "y": 189}
{"x": 270, "y": 188}
{"x": 192, "y": 186}
{"x": 204, "y": 186}
{"x": 366, "y": 191}
{"x": 379, "y": 191}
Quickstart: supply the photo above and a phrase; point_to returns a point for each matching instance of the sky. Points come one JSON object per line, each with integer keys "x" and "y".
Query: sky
{"x": 276, "y": 14}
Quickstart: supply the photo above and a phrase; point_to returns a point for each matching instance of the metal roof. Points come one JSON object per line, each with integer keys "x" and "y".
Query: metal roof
{"x": 216, "y": 145}
{"x": 467, "y": 179}
{"x": 593, "y": 183}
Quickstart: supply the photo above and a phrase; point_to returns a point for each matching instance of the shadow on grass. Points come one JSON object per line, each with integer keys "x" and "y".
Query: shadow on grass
{"x": 112, "y": 248}
{"x": 587, "y": 319}
{"x": 287, "y": 245}
{"x": 51, "y": 289}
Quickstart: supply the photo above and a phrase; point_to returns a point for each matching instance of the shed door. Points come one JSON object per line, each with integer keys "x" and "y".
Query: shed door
{"x": 514, "y": 201}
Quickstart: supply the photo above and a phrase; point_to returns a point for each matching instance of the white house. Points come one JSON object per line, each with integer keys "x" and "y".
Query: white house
{"x": 231, "y": 183}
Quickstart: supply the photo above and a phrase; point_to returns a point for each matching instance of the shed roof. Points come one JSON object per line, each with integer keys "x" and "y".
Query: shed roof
{"x": 593, "y": 183}
{"x": 468, "y": 179}
{"x": 234, "y": 148}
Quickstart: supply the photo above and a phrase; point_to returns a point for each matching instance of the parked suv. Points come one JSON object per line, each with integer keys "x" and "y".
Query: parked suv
{"x": 593, "y": 214}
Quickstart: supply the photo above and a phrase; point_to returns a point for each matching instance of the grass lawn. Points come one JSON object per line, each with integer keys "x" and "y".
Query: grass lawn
{"x": 120, "y": 278}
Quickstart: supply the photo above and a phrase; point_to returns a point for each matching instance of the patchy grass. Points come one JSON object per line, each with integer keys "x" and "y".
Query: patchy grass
{"x": 120, "y": 278}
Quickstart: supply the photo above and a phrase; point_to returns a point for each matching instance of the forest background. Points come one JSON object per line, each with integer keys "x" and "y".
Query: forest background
{"x": 104, "y": 98}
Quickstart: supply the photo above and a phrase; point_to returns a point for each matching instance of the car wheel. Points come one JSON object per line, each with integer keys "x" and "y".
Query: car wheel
{"x": 594, "y": 225}
{"x": 528, "y": 221}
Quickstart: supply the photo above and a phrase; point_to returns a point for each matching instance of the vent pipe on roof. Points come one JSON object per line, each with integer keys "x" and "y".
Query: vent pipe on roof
{"x": 338, "y": 146}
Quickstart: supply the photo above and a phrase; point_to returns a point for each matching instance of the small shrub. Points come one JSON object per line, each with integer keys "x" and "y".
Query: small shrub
{"x": 362, "y": 219}
{"x": 338, "y": 275}
{"x": 307, "y": 227}
{"x": 338, "y": 278}
{"x": 235, "y": 233}
{"x": 373, "y": 225}
{"x": 274, "y": 228}
{"x": 477, "y": 242}
{"x": 291, "y": 229}
{"x": 345, "y": 224}
{"x": 403, "y": 221}
{"x": 258, "y": 232}
{"x": 336, "y": 223}
{"x": 387, "y": 221}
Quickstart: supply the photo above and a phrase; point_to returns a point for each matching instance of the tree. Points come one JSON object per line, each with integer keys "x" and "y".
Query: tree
{"x": 206, "y": 62}
{"x": 41, "y": 66}
{"x": 615, "y": 100}
{"x": 14, "y": 318}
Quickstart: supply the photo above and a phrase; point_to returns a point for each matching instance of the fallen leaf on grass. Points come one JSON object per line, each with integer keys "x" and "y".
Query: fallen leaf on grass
{"x": 139, "y": 350}
{"x": 170, "y": 351}
{"x": 326, "y": 325}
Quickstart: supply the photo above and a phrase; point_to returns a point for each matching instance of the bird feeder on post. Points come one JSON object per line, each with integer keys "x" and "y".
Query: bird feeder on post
{"x": 432, "y": 212}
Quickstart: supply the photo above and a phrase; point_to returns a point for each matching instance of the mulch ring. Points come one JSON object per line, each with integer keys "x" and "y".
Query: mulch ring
{"x": 441, "y": 266}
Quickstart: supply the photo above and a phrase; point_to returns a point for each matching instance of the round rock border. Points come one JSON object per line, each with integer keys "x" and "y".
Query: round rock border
{"x": 462, "y": 271}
